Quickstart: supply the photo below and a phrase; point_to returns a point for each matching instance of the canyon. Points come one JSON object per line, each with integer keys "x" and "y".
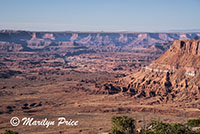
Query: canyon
{"x": 90, "y": 76}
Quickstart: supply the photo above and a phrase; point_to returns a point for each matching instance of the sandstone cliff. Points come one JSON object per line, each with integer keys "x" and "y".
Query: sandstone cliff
{"x": 173, "y": 78}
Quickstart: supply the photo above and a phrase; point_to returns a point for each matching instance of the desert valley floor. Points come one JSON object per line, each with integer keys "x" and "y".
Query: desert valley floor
{"x": 51, "y": 92}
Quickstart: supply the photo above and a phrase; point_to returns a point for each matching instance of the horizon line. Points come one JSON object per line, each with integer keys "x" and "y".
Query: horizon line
{"x": 75, "y": 31}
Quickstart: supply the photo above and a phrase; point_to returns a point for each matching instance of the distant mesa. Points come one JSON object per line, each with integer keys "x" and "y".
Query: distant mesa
{"x": 75, "y": 43}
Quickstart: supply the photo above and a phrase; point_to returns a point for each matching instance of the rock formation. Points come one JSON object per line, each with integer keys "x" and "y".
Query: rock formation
{"x": 75, "y": 43}
{"x": 173, "y": 77}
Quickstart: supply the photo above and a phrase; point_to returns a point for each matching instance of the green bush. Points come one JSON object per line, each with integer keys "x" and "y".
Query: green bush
{"x": 157, "y": 127}
{"x": 123, "y": 125}
{"x": 194, "y": 122}
{"x": 10, "y": 132}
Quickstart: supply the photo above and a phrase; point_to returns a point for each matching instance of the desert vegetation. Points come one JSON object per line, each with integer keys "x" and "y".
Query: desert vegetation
{"x": 126, "y": 125}
{"x": 10, "y": 132}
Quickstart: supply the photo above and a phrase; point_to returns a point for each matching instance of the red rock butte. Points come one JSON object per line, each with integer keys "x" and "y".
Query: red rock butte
{"x": 172, "y": 78}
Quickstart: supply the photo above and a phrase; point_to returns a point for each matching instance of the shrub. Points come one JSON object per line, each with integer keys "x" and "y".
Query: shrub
{"x": 194, "y": 122}
{"x": 10, "y": 132}
{"x": 157, "y": 127}
{"x": 123, "y": 125}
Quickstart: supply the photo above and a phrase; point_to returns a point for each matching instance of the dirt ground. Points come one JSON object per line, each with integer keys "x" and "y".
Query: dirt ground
{"x": 76, "y": 99}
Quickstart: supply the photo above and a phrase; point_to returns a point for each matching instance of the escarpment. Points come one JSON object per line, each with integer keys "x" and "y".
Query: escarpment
{"x": 173, "y": 77}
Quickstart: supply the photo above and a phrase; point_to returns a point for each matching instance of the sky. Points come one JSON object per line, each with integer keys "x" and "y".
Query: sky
{"x": 100, "y": 15}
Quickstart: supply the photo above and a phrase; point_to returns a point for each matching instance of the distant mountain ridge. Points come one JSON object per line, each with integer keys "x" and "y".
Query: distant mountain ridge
{"x": 70, "y": 42}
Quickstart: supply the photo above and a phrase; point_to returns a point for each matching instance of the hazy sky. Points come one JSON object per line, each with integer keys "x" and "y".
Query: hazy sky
{"x": 99, "y": 15}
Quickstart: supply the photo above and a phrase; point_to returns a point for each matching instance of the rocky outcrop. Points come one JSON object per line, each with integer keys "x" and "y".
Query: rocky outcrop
{"x": 192, "y": 47}
{"x": 183, "y": 53}
{"x": 174, "y": 77}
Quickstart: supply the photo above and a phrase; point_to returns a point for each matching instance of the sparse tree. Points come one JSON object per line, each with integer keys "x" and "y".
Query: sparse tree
{"x": 123, "y": 125}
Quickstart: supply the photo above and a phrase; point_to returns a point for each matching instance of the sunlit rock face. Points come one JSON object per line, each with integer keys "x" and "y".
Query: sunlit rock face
{"x": 172, "y": 78}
